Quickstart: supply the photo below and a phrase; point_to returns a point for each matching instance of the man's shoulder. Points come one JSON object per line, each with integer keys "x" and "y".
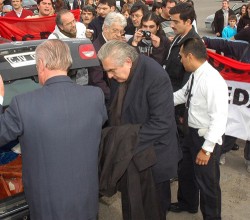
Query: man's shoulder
{"x": 11, "y": 14}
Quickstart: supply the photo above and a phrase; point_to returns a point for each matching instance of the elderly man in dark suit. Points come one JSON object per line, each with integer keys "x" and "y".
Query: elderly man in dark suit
{"x": 59, "y": 128}
{"x": 145, "y": 97}
{"x": 113, "y": 29}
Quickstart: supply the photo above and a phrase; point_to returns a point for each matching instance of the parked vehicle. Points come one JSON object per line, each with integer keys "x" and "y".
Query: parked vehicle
{"x": 17, "y": 65}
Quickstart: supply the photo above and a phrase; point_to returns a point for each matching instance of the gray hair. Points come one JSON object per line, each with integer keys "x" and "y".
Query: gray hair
{"x": 119, "y": 51}
{"x": 114, "y": 17}
{"x": 55, "y": 55}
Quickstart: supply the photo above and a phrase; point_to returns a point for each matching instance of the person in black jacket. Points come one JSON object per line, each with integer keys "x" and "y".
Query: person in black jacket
{"x": 156, "y": 44}
{"x": 244, "y": 21}
{"x": 145, "y": 97}
{"x": 182, "y": 16}
{"x": 221, "y": 18}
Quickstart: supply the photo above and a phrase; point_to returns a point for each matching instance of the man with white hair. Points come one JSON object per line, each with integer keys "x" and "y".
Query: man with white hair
{"x": 112, "y": 29}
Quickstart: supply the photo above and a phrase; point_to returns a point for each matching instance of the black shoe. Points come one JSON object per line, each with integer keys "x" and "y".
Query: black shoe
{"x": 174, "y": 207}
{"x": 235, "y": 147}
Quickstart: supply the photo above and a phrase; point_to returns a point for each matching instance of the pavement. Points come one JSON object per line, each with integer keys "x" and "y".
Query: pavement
{"x": 235, "y": 186}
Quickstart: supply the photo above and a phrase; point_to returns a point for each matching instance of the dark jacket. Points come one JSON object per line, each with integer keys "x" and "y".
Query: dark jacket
{"x": 231, "y": 49}
{"x": 96, "y": 26}
{"x": 59, "y": 129}
{"x": 96, "y": 75}
{"x": 174, "y": 67}
{"x": 157, "y": 53}
{"x": 119, "y": 164}
{"x": 219, "y": 20}
{"x": 244, "y": 21}
{"x": 149, "y": 101}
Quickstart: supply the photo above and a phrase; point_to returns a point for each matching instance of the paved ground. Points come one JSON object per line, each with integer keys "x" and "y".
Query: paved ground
{"x": 235, "y": 185}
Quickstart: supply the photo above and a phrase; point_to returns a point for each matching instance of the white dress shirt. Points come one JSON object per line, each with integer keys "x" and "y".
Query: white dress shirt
{"x": 1, "y": 100}
{"x": 208, "y": 105}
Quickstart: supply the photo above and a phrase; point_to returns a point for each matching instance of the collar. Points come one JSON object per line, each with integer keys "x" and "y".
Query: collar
{"x": 104, "y": 37}
{"x": 200, "y": 70}
{"x": 58, "y": 79}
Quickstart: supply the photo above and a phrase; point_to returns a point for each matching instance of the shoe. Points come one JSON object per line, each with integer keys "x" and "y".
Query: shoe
{"x": 248, "y": 165}
{"x": 222, "y": 159}
{"x": 235, "y": 147}
{"x": 174, "y": 207}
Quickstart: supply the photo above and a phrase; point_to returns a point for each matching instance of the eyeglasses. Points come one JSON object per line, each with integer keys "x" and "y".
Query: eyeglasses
{"x": 116, "y": 31}
{"x": 135, "y": 16}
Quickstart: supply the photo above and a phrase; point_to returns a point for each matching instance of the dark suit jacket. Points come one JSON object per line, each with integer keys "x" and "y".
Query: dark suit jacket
{"x": 96, "y": 74}
{"x": 59, "y": 129}
{"x": 219, "y": 20}
{"x": 96, "y": 26}
{"x": 97, "y": 77}
{"x": 149, "y": 101}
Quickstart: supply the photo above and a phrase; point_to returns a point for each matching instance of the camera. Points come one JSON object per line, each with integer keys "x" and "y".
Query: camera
{"x": 146, "y": 34}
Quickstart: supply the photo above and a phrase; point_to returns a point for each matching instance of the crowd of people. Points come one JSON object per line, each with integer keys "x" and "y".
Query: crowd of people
{"x": 155, "y": 104}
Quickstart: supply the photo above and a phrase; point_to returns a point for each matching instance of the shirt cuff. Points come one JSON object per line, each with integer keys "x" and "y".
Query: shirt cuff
{"x": 1, "y": 100}
{"x": 208, "y": 146}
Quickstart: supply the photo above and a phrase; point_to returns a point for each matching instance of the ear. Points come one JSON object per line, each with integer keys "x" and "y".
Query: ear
{"x": 112, "y": 8}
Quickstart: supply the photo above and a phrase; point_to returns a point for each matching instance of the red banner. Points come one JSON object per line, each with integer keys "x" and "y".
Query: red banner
{"x": 230, "y": 69}
{"x": 237, "y": 76}
{"x": 19, "y": 29}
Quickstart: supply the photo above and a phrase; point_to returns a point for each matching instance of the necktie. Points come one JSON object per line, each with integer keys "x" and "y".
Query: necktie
{"x": 189, "y": 95}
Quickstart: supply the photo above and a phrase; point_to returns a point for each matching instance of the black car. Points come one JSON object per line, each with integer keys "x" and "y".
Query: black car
{"x": 18, "y": 70}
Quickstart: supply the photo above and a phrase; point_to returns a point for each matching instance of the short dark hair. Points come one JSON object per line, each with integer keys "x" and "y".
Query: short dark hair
{"x": 232, "y": 17}
{"x": 39, "y": 1}
{"x": 89, "y": 8}
{"x": 139, "y": 5}
{"x": 185, "y": 10}
{"x": 110, "y": 3}
{"x": 156, "y": 5}
{"x": 164, "y": 2}
{"x": 196, "y": 47}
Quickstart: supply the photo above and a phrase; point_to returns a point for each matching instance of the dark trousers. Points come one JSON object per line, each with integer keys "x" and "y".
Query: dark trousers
{"x": 230, "y": 141}
{"x": 196, "y": 179}
{"x": 153, "y": 203}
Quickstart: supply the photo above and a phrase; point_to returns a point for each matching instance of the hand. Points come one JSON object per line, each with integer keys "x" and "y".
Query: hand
{"x": 217, "y": 34}
{"x": 202, "y": 158}
{"x": 89, "y": 33}
{"x": 1, "y": 87}
{"x": 155, "y": 40}
{"x": 137, "y": 37}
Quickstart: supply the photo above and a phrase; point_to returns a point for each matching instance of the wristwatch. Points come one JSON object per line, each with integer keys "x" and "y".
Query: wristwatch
{"x": 206, "y": 152}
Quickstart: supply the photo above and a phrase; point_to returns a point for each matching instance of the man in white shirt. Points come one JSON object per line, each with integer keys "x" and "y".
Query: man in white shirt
{"x": 67, "y": 26}
{"x": 206, "y": 98}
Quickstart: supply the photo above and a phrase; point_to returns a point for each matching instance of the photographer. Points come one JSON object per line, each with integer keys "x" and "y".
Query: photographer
{"x": 150, "y": 39}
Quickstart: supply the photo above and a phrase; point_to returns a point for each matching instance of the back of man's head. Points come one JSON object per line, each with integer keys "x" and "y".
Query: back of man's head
{"x": 196, "y": 47}
{"x": 54, "y": 54}
{"x": 185, "y": 10}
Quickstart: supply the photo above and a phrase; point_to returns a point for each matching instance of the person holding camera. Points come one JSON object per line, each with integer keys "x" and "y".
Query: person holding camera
{"x": 150, "y": 39}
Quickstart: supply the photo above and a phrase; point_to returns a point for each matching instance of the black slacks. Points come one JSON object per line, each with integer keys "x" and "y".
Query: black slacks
{"x": 196, "y": 179}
